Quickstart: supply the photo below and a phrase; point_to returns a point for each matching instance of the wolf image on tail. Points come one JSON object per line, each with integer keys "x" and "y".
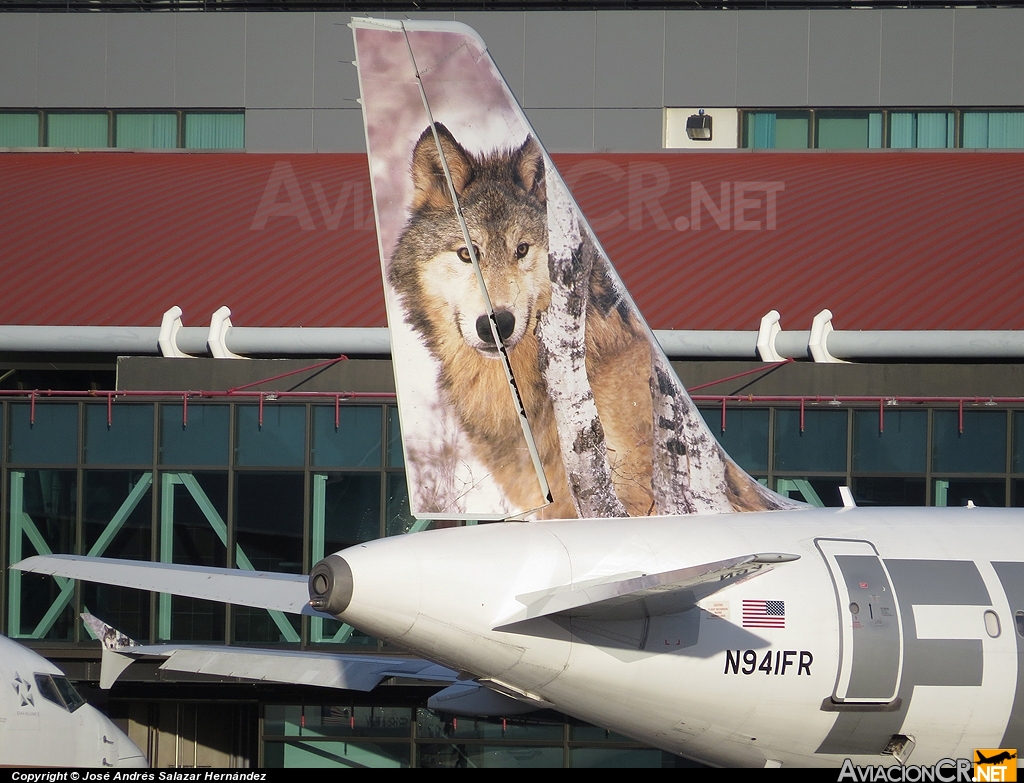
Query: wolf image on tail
{"x": 503, "y": 195}
{"x": 529, "y": 385}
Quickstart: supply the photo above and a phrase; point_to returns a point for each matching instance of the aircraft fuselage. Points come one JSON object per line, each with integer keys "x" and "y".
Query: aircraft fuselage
{"x": 892, "y": 621}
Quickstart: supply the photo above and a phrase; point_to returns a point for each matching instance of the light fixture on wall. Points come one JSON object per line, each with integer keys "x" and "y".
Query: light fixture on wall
{"x": 698, "y": 126}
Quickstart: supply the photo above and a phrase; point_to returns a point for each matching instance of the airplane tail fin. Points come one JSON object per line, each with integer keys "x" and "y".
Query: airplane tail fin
{"x": 528, "y": 383}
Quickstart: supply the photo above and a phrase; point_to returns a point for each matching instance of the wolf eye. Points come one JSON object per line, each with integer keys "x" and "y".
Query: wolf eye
{"x": 522, "y": 249}
{"x": 463, "y": 253}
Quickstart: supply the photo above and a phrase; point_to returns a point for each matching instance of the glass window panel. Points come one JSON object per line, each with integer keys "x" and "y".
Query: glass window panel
{"x": 351, "y": 510}
{"x": 127, "y": 441}
{"x": 268, "y": 531}
{"x": 51, "y": 439}
{"x": 820, "y": 447}
{"x": 888, "y": 491}
{"x": 281, "y": 440}
{"x": 1018, "y": 442}
{"x": 980, "y": 448}
{"x": 197, "y": 507}
{"x": 1017, "y": 493}
{"x": 117, "y": 513}
{"x": 76, "y": 130}
{"x": 396, "y": 459}
{"x": 146, "y": 131}
{"x": 399, "y": 519}
{"x": 791, "y": 130}
{"x": 354, "y": 443}
{"x": 817, "y": 491}
{"x": 329, "y": 720}
{"x": 202, "y": 440}
{"x": 901, "y": 446}
{"x": 46, "y": 502}
{"x": 849, "y": 130}
{"x": 957, "y": 491}
{"x": 124, "y": 608}
{"x": 334, "y": 632}
{"x": 194, "y": 620}
{"x": 341, "y": 755}
{"x": 1003, "y": 129}
{"x": 777, "y": 130}
{"x": 615, "y": 758}
{"x": 268, "y": 527}
{"x": 746, "y": 435}
{"x": 430, "y": 724}
{"x": 452, "y": 756}
{"x": 214, "y": 131}
{"x": 19, "y": 129}
{"x": 924, "y": 130}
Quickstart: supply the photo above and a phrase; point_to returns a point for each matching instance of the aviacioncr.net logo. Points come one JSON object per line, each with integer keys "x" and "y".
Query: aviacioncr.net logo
{"x": 943, "y": 771}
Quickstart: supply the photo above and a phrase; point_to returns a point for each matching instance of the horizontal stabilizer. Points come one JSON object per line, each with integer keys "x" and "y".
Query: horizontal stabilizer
{"x": 259, "y": 589}
{"x": 628, "y": 596}
{"x": 324, "y": 670}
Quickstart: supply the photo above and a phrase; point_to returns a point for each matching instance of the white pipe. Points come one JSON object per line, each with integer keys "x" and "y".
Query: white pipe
{"x": 330, "y": 341}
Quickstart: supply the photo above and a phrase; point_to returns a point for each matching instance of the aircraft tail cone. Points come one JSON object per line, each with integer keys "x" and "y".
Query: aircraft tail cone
{"x": 330, "y": 585}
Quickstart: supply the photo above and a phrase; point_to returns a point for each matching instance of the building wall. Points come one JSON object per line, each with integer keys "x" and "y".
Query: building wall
{"x": 589, "y": 80}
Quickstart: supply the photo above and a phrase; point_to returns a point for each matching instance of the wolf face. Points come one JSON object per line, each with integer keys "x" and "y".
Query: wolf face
{"x": 504, "y": 201}
{"x": 502, "y": 196}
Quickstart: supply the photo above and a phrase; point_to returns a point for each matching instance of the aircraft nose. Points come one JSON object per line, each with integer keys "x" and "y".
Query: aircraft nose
{"x": 330, "y": 585}
{"x": 506, "y": 325}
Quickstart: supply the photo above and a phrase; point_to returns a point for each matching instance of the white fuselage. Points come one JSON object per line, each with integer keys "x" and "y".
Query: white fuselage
{"x": 846, "y": 667}
{"x": 38, "y": 729}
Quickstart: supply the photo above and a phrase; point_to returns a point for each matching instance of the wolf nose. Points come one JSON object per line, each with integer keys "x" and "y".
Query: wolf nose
{"x": 506, "y": 325}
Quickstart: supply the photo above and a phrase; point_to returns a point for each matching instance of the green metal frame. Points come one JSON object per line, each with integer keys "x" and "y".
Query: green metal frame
{"x": 23, "y": 524}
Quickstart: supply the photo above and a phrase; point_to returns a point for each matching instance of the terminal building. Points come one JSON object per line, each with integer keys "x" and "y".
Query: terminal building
{"x": 816, "y": 208}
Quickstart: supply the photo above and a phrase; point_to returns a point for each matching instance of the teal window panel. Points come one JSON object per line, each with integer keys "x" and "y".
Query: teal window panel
{"x": 52, "y": 439}
{"x": 980, "y": 448}
{"x": 777, "y": 130}
{"x": 214, "y": 130}
{"x": 900, "y": 447}
{"x": 921, "y": 130}
{"x": 279, "y": 440}
{"x": 745, "y": 438}
{"x": 336, "y": 755}
{"x": 354, "y": 443}
{"x": 77, "y": 129}
{"x": 202, "y": 439}
{"x": 993, "y": 130}
{"x": 818, "y": 491}
{"x": 451, "y": 756}
{"x": 19, "y": 129}
{"x": 146, "y": 131}
{"x": 615, "y": 758}
{"x": 127, "y": 440}
{"x": 849, "y": 130}
{"x": 820, "y": 447}
{"x": 43, "y": 508}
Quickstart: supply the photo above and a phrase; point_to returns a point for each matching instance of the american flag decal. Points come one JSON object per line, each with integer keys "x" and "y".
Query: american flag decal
{"x": 764, "y": 614}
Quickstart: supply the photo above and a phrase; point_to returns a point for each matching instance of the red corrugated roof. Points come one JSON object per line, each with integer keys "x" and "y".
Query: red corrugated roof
{"x": 886, "y": 240}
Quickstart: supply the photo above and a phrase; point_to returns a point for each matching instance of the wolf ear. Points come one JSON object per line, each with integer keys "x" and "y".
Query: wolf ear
{"x": 430, "y": 187}
{"x": 528, "y": 164}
